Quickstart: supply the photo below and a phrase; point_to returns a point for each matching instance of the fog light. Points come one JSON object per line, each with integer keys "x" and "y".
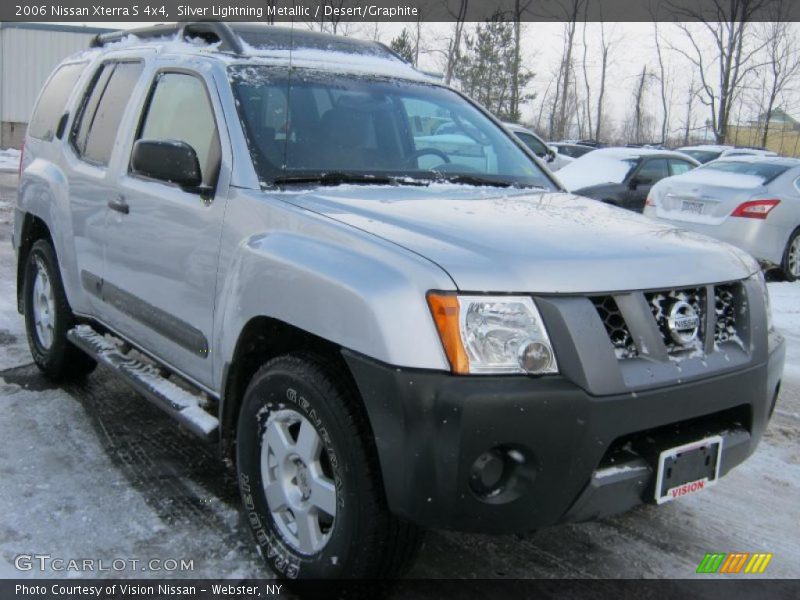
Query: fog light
{"x": 487, "y": 473}
{"x": 535, "y": 357}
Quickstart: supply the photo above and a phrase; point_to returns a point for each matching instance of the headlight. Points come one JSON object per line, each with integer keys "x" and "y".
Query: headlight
{"x": 759, "y": 278}
{"x": 492, "y": 334}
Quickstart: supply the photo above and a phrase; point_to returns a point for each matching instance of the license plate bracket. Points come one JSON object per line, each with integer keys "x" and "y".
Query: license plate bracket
{"x": 688, "y": 468}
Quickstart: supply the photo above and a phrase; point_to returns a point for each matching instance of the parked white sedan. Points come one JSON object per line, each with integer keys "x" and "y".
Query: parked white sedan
{"x": 751, "y": 202}
{"x": 549, "y": 154}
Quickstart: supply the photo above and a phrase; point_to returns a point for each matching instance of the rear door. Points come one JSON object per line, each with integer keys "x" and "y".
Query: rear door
{"x": 163, "y": 245}
{"x": 88, "y": 156}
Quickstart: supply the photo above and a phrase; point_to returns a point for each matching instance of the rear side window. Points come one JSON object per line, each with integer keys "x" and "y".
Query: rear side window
{"x": 97, "y": 125}
{"x": 53, "y": 100}
{"x": 766, "y": 172}
{"x": 679, "y": 167}
{"x": 179, "y": 110}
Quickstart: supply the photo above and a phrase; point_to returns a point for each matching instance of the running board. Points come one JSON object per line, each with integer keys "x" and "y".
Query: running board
{"x": 182, "y": 405}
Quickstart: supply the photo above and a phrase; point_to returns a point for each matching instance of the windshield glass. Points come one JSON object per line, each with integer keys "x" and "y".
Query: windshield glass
{"x": 764, "y": 171}
{"x": 702, "y": 156}
{"x": 595, "y": 168}
{"x": 318, "y": 124}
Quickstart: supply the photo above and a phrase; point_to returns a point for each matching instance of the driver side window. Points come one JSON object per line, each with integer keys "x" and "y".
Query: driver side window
{"x": 652, "y": 171}
{"x": 179, "y": 110}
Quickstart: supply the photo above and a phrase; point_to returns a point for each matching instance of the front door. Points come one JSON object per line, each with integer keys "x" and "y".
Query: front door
{"x": 646, "y": 176}
{"x": 163, "y": 241}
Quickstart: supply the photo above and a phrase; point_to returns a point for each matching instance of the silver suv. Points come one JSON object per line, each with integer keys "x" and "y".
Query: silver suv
{"x": 382, "y": 306}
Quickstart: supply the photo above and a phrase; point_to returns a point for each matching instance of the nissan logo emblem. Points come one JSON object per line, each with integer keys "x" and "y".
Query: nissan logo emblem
{"x": 683, "y": 323}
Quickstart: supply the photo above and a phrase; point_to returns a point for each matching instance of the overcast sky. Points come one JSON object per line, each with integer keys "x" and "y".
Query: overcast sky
{"x": 633, "y": 48}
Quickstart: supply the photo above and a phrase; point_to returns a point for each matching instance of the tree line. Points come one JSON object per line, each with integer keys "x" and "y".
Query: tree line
{"x": 713, "y": 65}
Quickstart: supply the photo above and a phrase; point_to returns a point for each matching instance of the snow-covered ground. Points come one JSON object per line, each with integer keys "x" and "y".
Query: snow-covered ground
{"x": 93, "y": 471}
{"x": 9, "y": 160}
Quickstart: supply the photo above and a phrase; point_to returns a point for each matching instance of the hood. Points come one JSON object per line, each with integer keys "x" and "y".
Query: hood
{"x": 491, "y": 240}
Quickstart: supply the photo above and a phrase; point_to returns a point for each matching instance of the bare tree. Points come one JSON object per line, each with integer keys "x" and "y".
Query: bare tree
{"x": 571, "y": 11}
{"x": 605, "y": 55}
{"x": 454, "y": 45}
{"x": 689, "y": 123}
{"x": 663, "y": 85}
{"x": 728, "y": 25}
{"x": 520, "y": 8}
{"x": 783, "y": 62}
{"x": 638, "y": 118}
{"x": 587, "y": 87}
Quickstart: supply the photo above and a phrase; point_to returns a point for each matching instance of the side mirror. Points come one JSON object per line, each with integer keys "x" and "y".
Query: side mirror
{"x": 551, "y": 155}
{"x": 170, "y": 161}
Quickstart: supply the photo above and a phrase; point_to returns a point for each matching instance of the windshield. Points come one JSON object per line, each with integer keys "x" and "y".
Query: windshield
{"x": 340, "y": 127}
{"x": 702, "y": 156}
{"x": 595, "y": 168}
{"x": 763, "y": 171}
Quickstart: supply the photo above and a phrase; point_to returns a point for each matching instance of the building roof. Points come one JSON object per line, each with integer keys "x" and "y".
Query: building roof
{"x": 778, "y": 115}
{"x": 56, "y": 27}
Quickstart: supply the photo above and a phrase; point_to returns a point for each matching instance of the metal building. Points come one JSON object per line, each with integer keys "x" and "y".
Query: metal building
{"x": 28, "y": 54}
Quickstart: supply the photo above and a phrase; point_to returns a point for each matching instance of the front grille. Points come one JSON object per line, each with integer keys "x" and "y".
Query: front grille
{"x": 724, "y": 324}
{"x": 661, "y": 303}
{"x": 725, "y": 308}
{"x": 615, "y": 325}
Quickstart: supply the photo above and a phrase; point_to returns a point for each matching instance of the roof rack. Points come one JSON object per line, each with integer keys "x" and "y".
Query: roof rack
{"x": 210, "y": 31}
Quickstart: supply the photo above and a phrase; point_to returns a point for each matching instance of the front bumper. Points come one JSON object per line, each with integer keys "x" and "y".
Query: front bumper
{"x": 575, "y": 456}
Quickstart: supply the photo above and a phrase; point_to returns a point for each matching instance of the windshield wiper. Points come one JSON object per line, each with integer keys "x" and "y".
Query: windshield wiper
{"x": 340, "y": 177}
{"x": 473, "y": 180}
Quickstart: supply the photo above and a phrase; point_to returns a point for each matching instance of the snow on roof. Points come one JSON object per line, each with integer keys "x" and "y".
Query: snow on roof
{"x": 332, "y": 60}
{"x": 760, "y": 158}
{"x": 706, "y": 147}
{"x": 625, "y": 152}
{"x": 387, "y": 65}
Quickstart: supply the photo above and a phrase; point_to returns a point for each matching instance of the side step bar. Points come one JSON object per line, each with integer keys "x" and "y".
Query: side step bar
{"x": 182, "y": 405}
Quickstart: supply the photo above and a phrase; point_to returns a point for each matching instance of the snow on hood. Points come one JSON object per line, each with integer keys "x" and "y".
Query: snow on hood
{"x": 594, "y": 169}
{"x": 523, "y": 241}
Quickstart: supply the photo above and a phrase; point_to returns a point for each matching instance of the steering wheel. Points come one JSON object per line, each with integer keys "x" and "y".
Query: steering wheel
{"x": 423, "y": 151}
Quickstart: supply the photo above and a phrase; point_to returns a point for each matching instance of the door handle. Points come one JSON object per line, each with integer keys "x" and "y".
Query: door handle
{"x": 119, "y": 205}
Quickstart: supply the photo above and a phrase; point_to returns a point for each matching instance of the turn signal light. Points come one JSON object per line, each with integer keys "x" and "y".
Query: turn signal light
{"x": 445, "y": 310}
{"x": 755, "y": 209}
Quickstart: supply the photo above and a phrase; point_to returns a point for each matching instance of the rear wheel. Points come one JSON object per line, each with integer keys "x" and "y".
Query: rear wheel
{"x": 791, "y": 258}
{"x": 309, "y": 477}
{"x": 48, "y": 317}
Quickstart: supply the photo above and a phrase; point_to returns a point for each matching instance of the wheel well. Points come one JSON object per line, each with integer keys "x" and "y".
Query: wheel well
{"x": 262, "y": 339}
{"x": 33, "y": 229}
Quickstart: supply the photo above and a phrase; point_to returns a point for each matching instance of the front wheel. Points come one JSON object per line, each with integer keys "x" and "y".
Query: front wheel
{"x": 309, "y": 477}
{"x": 791, "y": 258}
{"x": 48, "y": 317}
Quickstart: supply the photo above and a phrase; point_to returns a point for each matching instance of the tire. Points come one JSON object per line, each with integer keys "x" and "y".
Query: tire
{"x": 791, "y": 257}
{"x": 299, "y": 396}
{"x": 46, "y": 303}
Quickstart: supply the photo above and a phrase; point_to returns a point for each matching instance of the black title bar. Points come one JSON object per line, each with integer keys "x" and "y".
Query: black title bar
{"x": 273, "y": 11}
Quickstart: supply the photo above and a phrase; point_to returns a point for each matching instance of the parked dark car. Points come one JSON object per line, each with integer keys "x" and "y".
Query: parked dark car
{"x": 572, "y": 150}
{"x": 623, "y": 176}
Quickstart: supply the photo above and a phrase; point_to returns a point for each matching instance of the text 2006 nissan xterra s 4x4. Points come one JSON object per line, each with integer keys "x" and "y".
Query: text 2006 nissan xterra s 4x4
{"x": 386, "y": 311}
